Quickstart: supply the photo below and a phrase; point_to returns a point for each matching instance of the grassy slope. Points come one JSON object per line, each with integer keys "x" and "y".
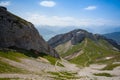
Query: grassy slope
{"x": 51, "y": 59}
{"x": 74, "y": 49}
{"x": 6, "y": 68}
{"x": 62, "y": 48}
{"x": 94, "y": 52}
{"x": 10, "y": 79}
{"x": 110, "y": 66}
{"x": 64, "y": 75}
{"x": 16, "y": 56}
{"x": 12, "y": 55}
{"x": 103, "y": 74}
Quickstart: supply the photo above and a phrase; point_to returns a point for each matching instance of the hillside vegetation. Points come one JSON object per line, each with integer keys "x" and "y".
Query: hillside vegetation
{"x": 92, "y": 52}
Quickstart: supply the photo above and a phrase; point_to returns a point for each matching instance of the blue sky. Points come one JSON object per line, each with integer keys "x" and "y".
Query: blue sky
{"x": 63, "y": 13}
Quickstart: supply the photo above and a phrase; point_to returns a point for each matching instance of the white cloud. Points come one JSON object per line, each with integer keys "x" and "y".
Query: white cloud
{"x": 59, "y": 21}
{"x": 47, "y": 3}
{"x": 51, "y": 21}
{"x": 90, "y": 8}
{"x": 4, "y": 3}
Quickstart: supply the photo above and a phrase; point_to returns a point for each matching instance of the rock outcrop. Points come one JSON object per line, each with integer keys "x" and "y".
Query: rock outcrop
{"x": 17, "y": 32}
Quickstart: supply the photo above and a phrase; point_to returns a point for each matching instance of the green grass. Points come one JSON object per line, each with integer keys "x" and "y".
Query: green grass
{"x": 16, "y": 54}
{"x": 62, "y": 48}
{"x": 103, "y": 74}
{"x": 80, "y": 60}
{"x": 75, "y": 48}
{"x": 116, "y": 58}
{"x": 6, "y": 68}
{"x": 96, "y": 51}
{"x": 12, "y": 55}
{"x": 51, "y": 59}
{"x": 10, "y": 79}
{"x": 59, "y": 64}
{"x": 63, "y": 75}
{"x": 110, "y": 66}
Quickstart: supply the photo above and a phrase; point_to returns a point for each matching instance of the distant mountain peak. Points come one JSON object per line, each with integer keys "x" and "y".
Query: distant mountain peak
{"x": 76, "y": 36}
{"x": 78, "y": 30}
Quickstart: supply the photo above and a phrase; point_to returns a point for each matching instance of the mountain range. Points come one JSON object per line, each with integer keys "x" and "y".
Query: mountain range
{"x": 47, "y": 31}
{"x": 115, "y": 36}
{"x": 25, "y": 55}
{"x": 78, "y": 45}
{"x": 50, "y": 31}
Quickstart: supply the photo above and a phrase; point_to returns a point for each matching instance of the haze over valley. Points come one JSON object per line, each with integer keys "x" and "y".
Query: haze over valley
{"x": 59, "y": 40}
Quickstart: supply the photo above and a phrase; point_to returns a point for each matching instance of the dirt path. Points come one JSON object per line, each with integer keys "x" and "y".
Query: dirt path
{"x": 89, "y": 59}
{"x": 87, "y": 73}
{"x": 68, "y": 66}
{"x": 35, "y": 70}
{"x": 25, "y": 76}
{"x": 76, "y": 54}
{"x": 38, "y": 70}
{"x": 85, "y": 43}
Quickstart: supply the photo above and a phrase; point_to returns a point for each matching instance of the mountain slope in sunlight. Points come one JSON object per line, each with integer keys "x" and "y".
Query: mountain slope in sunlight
{"x": 83, "y": 48}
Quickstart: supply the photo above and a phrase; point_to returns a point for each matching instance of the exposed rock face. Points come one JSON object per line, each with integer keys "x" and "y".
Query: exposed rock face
{"x": 111, "y": 41}
{"x": 17, "y": 32}
{"x": 76, "y": 36}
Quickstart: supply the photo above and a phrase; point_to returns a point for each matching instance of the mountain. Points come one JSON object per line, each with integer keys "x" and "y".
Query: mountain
{"x": 46, "y": 33}
{"x": 24, "y": 54}
{"x": 17, "y": 32}
{"x": 80, "y": 46}
{"x": 115, "y": 36}
{"x": 49, "y": 31}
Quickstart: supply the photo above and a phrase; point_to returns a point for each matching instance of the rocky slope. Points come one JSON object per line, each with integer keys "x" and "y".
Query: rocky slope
{"x": 15, "y": 65}
{"x": 115, "y": 36}
{"x": 83, "y": 48}
{"x": 17, "y": 32}
{"x": 77, "y": 36}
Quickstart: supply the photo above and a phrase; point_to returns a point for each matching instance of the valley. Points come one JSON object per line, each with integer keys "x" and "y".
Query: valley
{"x": 94, "y": 55}
{"x": 22, "y": 67}
{"x": 74, "y": 55}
